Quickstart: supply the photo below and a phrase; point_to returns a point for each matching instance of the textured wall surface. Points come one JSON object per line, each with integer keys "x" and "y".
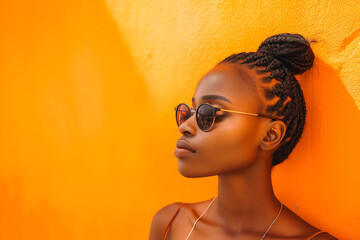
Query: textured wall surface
{"x": 88, "y": 90}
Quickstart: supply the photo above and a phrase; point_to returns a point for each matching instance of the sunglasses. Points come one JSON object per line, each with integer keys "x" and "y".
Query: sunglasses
{"x": 205, "y": 115}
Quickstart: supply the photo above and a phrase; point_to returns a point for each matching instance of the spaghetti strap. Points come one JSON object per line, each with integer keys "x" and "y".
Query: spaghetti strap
{"x": 315, "y": 234}
{"x": 172, "y": 219}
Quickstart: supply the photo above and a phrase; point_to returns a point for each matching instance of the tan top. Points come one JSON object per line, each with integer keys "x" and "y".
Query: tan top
{"x": 182, "y": 204}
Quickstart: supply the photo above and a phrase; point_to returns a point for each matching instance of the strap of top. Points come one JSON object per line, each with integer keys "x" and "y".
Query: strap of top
{"x": 172, "y": 219}
{"x": 315, "y": 234}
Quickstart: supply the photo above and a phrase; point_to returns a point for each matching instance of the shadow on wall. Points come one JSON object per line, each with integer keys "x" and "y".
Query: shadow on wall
{"x": 324, "y": 166}
{"x": 75, "y": 108}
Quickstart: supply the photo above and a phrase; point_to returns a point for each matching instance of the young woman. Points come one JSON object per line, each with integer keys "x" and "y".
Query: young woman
{"x": 249, "y": 115}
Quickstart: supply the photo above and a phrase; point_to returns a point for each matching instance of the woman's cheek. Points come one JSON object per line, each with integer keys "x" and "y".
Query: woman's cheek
{"x": 239, "y": 144}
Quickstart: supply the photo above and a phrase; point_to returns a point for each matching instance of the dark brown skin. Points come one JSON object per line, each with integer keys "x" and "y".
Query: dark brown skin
{"x": 238, "y": 149}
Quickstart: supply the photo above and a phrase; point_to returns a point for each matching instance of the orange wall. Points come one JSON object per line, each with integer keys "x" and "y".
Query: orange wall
{"x": 88, "y": 90}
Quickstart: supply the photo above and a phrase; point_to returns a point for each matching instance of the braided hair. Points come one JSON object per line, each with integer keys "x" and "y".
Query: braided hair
{"x": 283, "y": 56}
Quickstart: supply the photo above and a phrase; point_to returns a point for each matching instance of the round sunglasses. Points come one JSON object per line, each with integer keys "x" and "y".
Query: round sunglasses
{"x": 205, "y": 115}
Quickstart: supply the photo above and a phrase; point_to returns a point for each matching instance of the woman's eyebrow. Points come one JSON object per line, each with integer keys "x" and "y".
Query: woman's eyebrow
{"x": 212, "y": 97}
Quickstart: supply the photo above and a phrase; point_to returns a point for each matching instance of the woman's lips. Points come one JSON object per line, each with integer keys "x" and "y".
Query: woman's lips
{"x": 183, "y": 144}
{"x": 183, "y": 149}
{"x": 182, "y": 152}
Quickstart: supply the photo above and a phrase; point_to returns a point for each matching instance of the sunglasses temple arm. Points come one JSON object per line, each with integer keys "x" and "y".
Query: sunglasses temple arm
{"x": 268, "y": 116}
{"x": 253, "y": 114}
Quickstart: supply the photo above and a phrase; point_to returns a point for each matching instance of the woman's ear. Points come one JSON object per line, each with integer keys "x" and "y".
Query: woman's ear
{"x": 274, "y": 133}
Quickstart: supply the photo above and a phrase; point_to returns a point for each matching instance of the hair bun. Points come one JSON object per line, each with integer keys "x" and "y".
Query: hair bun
{"x": 292, "y": 50}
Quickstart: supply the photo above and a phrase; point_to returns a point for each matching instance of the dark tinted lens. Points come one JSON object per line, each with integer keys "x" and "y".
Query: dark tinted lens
{"x": 205, "y": 116}
{"x": 182, "y": 113}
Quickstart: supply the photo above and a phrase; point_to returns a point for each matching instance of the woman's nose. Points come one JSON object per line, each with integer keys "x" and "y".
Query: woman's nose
{"x": 188, "y": 126}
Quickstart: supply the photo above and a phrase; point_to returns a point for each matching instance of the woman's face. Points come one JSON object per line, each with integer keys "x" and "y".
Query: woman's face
{"x": 232, "y": 144}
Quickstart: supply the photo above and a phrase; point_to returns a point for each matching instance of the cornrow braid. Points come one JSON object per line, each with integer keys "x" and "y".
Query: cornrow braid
{"x": 283, "y": 56}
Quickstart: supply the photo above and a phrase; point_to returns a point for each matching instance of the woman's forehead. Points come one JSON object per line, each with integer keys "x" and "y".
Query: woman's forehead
{"x": 235, "y": 83}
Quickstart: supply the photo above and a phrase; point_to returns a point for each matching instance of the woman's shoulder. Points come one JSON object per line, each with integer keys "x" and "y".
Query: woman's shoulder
{"x": 294, "y": 225}
{"x": 162, "y": 218}
{"x": 324, "y": 236}
{"x": 164, "y": 215}
{"x": 166, "y": 212}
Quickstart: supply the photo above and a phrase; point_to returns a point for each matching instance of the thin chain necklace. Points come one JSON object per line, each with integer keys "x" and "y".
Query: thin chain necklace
{"x": 212, "y": 203}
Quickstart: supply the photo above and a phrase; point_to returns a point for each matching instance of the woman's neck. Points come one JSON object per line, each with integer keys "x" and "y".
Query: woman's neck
{"x": 246, "y": 200}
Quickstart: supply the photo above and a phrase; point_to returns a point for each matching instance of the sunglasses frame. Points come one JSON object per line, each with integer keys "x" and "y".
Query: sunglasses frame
{"x": 216, "y": 109}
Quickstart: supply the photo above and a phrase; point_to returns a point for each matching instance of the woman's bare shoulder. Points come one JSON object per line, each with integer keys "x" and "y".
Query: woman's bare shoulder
{"x": 292, "y": 224}
{"x": 164, "y": 215}
{"x": 324, "y": 236}
{"x": 161, "y": 219}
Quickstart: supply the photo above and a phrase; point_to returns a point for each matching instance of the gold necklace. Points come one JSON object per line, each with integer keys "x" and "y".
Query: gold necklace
{"x": 212, "y": 203}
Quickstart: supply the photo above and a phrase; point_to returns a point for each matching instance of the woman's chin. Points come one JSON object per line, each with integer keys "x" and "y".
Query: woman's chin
{"x": 191, "y": 172}
{"x": 186, "y": 171}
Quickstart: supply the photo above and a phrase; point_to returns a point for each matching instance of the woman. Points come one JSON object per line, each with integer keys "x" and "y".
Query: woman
{"x": 249, "y": 115}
